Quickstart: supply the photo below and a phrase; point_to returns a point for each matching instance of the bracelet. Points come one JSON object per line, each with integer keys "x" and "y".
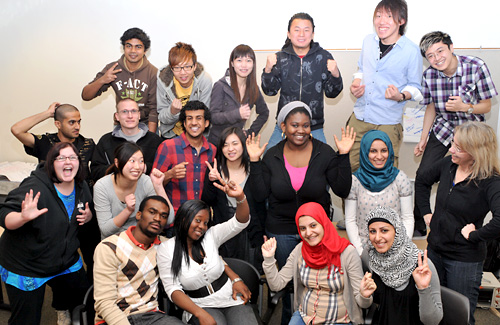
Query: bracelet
{"x": 236, "y": 280}
{"x": 242, "y": 200}
{"x": 402, "y": 99}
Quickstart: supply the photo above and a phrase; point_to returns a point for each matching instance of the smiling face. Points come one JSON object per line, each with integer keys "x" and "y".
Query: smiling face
{"x": 243, "y": 66}
{"x": 233, "y": 148}
{"x": 184, "y": 72}
{"x": 386, "y": 27}
{"x": 301, "y": 34}
{"x": 297, "y": 128}
{"x": 460, "y": 156}
{"x": 134, "y": 167}
{"x": 378, "y": 154}
{"x": 128, "y": 115}
{"x": 66, "y": 169}
{"x": 198, "y": 226}
{"x": 195, "y": 123}
{"x": 441, "y": 58}
{"x": 153, "y": 218}
{"x": 381, "y": 235}
{"x": 134, "y": 51}
{"x": 311, "y": 230}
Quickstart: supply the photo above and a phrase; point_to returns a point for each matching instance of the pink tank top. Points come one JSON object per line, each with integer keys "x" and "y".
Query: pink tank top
{"x": 297, "y": 174}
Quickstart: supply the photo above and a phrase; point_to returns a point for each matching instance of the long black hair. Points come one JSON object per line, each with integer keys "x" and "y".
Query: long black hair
{"x": 122, "y": 154}
{"x": 183, "y": 219}
{"x": 222, "y": 160}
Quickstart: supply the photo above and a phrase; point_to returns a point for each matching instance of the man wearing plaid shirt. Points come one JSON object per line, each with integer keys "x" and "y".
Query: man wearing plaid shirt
{"x": 182, "y": 159}
{"x": 456, "y": 89}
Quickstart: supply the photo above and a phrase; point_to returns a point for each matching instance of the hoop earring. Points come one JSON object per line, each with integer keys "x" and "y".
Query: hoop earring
{"x": 283, "y": 135}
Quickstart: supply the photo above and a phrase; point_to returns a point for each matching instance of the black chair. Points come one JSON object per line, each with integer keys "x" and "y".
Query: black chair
{"x": 84, "y": 314}
{"x": 456, "y": 307}
{"x": 249, "y": 274}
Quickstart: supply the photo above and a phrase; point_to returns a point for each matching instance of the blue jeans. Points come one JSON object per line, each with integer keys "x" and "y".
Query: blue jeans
{"x": 285, "y": 245}
{"x": 462, "y": 277}
{"x": 297, "y": 320}
{"x": 276, "y": 136}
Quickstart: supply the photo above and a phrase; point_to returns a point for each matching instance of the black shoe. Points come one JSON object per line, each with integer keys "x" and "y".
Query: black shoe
{"x": 341, "y": 224}
{"x": 419, "y": 234}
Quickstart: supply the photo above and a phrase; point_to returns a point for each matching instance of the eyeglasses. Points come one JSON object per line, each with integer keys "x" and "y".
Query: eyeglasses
{"x": 63, "y": 158}
{"x": 457, "y": 148}
{"x": 127, "y": 111}
{"x": 186, "y": 68}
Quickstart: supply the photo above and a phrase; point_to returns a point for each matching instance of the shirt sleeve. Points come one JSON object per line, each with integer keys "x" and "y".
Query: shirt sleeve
{"x": 103, "y": 209}
{"x": 430, "y": 306}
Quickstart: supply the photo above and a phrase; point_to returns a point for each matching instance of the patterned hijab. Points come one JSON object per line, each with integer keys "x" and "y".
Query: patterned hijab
{"x": 395, "y": 266}
{"x": 327, "y": 252}
{"x": 375, "y": 179}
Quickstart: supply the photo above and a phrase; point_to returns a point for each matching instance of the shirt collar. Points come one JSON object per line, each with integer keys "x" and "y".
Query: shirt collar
{"x": 185, "y": 142}
{"x": 157, "y": 241}
{"x": 458, "y": 73}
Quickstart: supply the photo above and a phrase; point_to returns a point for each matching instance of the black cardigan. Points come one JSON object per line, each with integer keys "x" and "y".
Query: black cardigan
{"x": 270, "y": 180}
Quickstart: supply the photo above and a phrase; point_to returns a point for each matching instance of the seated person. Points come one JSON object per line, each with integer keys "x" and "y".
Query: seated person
{"x": 128, "y": 129}
{"x": 116, "y": 194}
{"x": 190, "y": 264}
{"x": 376, "y": 182}
{"x": 126, "y": 274}
{"x": 408, "y": 290}
{"x": 329, "y": 287}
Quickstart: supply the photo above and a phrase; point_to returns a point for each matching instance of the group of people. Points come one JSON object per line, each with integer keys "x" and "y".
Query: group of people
{"x": 180, "y": 163}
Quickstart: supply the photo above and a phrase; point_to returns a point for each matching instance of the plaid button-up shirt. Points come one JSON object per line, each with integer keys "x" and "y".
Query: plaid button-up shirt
{"x": 472, "y": 82}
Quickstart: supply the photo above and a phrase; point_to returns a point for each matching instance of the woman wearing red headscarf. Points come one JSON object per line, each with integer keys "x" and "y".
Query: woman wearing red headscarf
{"x": 329, "y": 286}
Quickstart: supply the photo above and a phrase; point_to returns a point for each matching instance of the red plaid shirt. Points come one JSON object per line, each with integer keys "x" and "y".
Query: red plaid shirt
{"x": 172, "y": 152}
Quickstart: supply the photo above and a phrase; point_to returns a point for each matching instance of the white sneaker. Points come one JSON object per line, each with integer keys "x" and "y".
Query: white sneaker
{"x": 63, "y": 317}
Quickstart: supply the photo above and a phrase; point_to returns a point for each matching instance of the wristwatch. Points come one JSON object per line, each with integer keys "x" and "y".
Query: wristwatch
{"x": 404, "y": 97}
{"x": 471, "y": 109}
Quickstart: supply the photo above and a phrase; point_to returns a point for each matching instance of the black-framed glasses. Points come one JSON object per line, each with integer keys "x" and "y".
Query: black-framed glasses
{"x": 64, "y": 158}
{"x": 186, "y": 68}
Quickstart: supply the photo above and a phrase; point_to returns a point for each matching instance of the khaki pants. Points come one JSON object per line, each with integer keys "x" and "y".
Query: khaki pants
{"x": 394, "y": 131}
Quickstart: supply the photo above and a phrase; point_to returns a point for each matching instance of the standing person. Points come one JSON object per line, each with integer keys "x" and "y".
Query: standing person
{"x": 297, "y": 170}
{"x": 303, "y": 71}
{"x": 193, "y": 272}
{"x": 116, "y": 194}
{"x": 39, "y": 246}
{"x": 469, "y": 188}
{"x": 456, "y": 89}
{"x": 389, "y": 73}
{"x": 328, "y": 282}
{"x": 233, "y": 163}
{"x": 126, "y": 273}
{"x": 235, "y": 94}
{"x": 131, "y": 76}
{"x": 408, "y": 290}
{"x": 184, "y": 79}
{"x": 376, "y": 183}
{"x": 129, "y": 129}
{"x": 183, "y": 159}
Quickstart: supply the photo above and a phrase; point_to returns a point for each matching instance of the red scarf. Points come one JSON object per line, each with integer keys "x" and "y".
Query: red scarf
{"x": 326, "y": 253}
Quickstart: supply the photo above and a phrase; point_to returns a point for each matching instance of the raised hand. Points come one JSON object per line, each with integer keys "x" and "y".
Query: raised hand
{"x": 422, "y": 273}
{"x": 346, "y": 140}
{"x": 157, "y": 177}
{"x": 130, "y": 202}
{"x": 52, "y": 108}
{"x": 393, "y": 93}
{"x": 85, "y": 215}
{"x": 179, "y": 171}
{"x": 272, "y": 59}
{"x": 269, "y": 247}
{"x": 331, "y": 65}
{"x": 367, "y": 286}
{"x": 176, "y": 106}
{"x": 29, "y": 207}
{"x": 357, "y": 89}
{"x": 214, "y": 174}
{"x": 230, "y": 188}
{"x": 110, "y": 74}
{"x": 253, "y": 148}
{"x": 245, "y": 112}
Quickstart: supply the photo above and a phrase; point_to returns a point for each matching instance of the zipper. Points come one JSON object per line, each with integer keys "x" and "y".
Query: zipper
{"x": 300, "y": 89}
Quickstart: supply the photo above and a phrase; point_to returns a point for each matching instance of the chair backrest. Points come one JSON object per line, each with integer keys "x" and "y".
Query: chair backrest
{"x": 84, "y": 314}
{"x": 249, "y": 274}
{"x": 455, "y": 307}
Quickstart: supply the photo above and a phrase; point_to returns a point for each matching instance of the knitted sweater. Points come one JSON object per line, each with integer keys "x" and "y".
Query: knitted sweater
{"x": 125, "y": 278}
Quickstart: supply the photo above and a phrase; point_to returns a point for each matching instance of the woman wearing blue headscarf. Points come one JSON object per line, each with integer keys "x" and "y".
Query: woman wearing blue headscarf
{"x": 376, "y": 183}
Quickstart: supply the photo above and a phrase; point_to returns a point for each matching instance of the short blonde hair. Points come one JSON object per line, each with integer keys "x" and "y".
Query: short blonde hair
{"x": 480, "y": 141}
